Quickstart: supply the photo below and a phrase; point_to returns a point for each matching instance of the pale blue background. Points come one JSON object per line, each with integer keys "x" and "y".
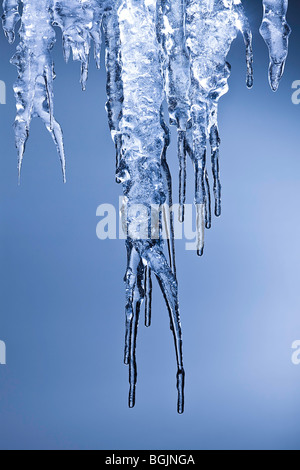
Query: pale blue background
{"x": 62, "y": 295}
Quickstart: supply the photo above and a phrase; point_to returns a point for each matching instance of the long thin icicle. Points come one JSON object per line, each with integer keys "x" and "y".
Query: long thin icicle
{"x": 148, "y": 296}
{"x": 276, "y": 31}
{"x": 114, "y": 87}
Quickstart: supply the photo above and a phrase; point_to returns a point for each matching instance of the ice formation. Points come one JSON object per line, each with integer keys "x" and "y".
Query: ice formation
{"x": 196, "y": 38}
{"x": 34, "y": 87}
{"x": 155, "y": 50}
{"x": 276, "y": 32}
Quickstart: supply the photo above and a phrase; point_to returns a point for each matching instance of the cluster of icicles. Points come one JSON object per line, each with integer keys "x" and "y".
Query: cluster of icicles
{"x": 156, "y": 50}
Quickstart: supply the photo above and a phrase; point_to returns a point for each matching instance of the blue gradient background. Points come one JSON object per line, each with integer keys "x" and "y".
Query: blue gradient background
{"x": 62, "y": 295}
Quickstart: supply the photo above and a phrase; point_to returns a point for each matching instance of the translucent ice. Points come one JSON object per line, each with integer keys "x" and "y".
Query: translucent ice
{"x": 155, "y": 51}
{"x": 10, "y": 18}
{"x": 33, "y": 89}
{"x": 80, "y": 22}
{"x": 144, "y": 139}
{"x": 276, "y": 32}
{"x": 114, "y": 85}
{"x": 170, "y": 26}
{"x": 196, "y": 38}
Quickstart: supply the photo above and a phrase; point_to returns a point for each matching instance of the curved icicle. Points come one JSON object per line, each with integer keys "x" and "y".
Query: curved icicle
{"x": 276, "y": 31}
{"x": 153, "y": 255}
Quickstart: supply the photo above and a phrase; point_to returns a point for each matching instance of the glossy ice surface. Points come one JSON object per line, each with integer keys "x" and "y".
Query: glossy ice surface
{"x": 156, "y": 50}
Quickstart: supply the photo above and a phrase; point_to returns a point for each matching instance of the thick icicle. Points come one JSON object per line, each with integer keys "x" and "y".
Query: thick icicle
{"x": 276, "y": 31}
{"x": 143, "y": 145}
{"x": 211, "y": 26}
{"x": 34, "y": 87}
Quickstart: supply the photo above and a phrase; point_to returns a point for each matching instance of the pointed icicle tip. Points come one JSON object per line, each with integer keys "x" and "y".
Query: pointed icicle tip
{"x": 250, "y": 81}
{"x": 180, "y": 389}
{"x": 10, "y": 36}
{"x": 21, "y": 151}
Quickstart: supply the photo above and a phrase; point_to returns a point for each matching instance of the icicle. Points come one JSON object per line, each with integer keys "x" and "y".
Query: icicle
{"x": 114, "y": 85}
{"x": 211, "y": 26}
{"x": 80, "y": 22}
{"x": 244, "y": 27}
{"x": 134, "y": 296}
{"x": 215, "y": 148}
{"x": 153, "y": 255}
{"x": 167, "y": 210}
{"x": 34, "y": 87}
{"x": 148, "y": 296}
{"x": 170, "y": 20}
{"x": 144, "y": 142}
{"x": 276, "y": 32}
{"x": 199, "y": 157}
{"x": 182, "y": 173}
{"x": 208, "y": 202}
{"x": 10, "y": 18}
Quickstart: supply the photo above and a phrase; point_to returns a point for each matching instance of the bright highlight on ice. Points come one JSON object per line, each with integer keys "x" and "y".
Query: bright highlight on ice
{"x": 156, "y": 50}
